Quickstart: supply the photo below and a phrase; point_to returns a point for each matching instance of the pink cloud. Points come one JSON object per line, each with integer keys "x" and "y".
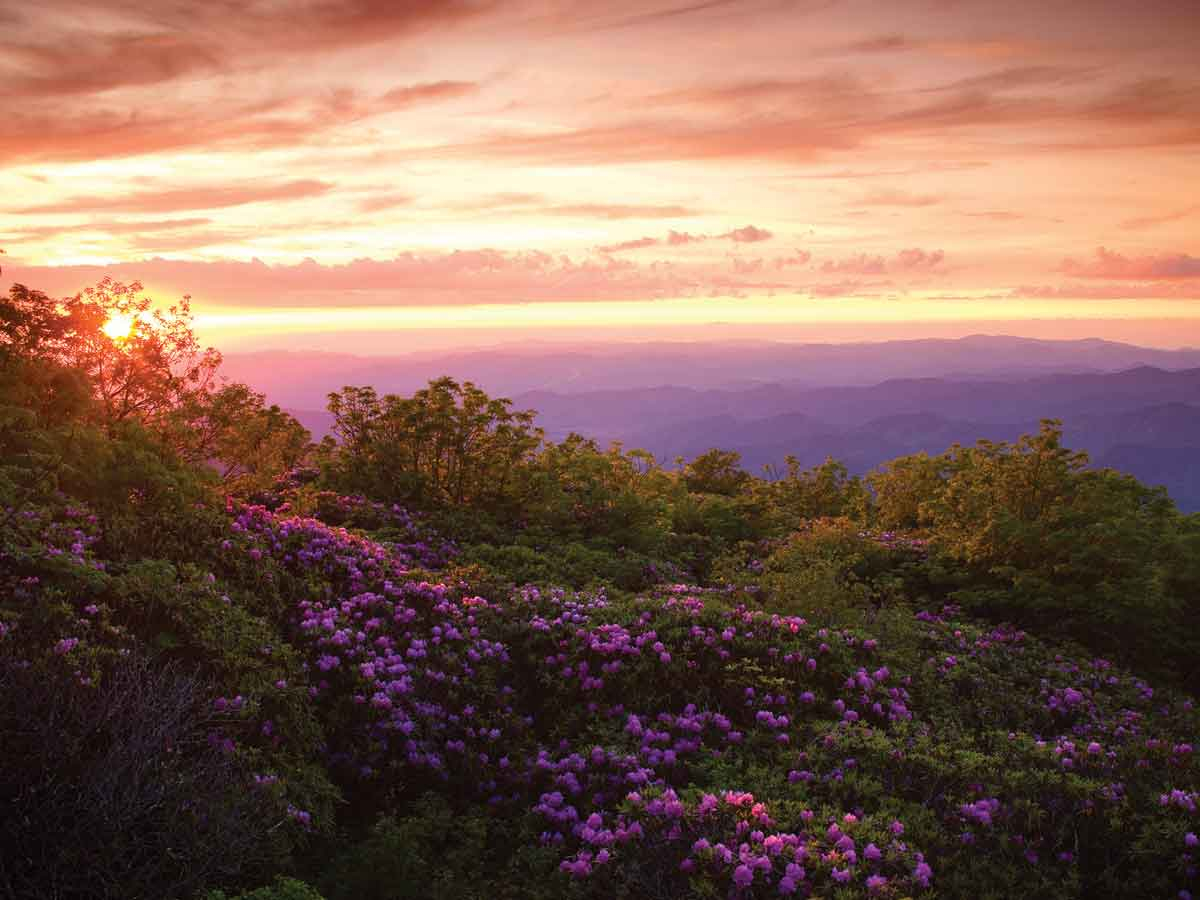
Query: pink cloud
{"x": 411, "y": 95}
{"x": 88, "y": 64}
{"x": 410, "y": 279}
{"x": 861, "y": 264}
{"x": 748, "y": 235}
{"x": 747, "y": 266}
{"x": 94, "y": 131}
{"x": 105, "y": 226}
{"x": 1151, "y": 221}
{"x": 916, "y": 258}
{"x": 619, "y": 211}
{"x": 798, "y": 258}
{"x": 845, "y": 288}
{"x": 164, "y": 42}
{"x": 911, "y": 260}
{"x": 380, "y": 202}
{"x": 1108, "y": 264}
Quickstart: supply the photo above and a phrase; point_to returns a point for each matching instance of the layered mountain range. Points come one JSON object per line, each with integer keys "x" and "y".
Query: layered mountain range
{"x": 1132, "y": 408}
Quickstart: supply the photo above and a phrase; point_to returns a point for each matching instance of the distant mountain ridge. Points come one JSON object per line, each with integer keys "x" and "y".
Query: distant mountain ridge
{"x": 301, "y": 380}
{"x": 1144, "y": 420}
{"x": 1049, "y": 396}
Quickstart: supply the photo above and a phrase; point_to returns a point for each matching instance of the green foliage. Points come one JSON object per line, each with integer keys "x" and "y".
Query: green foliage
{"x": 1027, "y": 531}
{"x": 575, "y": 491}
{"x": 827, "y": 490}
{"x": 282, "y": 889}
{"x": 830, "y": 570}
{"x": 716, "y": 472}
{"x": 66, "y": 384}
{"x": 433, "y": 852}
{"x": 250, "y": 443}
{"x": 448, "y": 443}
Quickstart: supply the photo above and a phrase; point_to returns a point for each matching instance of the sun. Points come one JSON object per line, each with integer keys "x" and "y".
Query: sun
{"x": 119, "y": 326}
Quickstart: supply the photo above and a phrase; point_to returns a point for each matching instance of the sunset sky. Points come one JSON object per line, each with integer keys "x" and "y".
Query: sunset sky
{"x": 346, "y": 173}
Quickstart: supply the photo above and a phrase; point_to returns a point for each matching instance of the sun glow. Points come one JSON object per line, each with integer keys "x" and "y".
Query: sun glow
{"x": 119, "y": 326}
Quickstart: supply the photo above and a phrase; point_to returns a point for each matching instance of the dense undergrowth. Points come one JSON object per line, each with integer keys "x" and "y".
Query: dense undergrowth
{"x": 556, "y": 671}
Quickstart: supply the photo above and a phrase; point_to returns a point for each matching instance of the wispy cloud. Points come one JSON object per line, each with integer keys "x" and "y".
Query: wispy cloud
{"x": 218, "y": 196}
{"x": 636, "y": 244}
{"x": 619, "y": 211}
{"x": 897, "y": 198}
{"x": 1178, "y": 215}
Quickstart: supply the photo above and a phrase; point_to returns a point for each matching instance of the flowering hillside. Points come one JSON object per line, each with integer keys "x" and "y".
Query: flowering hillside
{"x": 676, "y": 743}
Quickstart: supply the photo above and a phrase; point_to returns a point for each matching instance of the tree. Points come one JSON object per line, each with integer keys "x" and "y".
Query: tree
{"x": 716, "y": 472}
{"x": 1043, "y": 537}
{"x": 449, "y": 443}
{"x": 67, "y": 365}
{"x": 248, "y": 442}
{"x": 827, "y": 490}
{"x": 902, "y": 486}
{"x": 156, "y": 369}
{"x": 579, "y": 490}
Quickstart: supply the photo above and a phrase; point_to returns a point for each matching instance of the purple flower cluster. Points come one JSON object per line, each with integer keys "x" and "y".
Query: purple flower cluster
{"x": 732, "y": 840}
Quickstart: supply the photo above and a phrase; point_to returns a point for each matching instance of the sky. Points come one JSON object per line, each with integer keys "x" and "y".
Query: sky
{"x": 372, "y": 174}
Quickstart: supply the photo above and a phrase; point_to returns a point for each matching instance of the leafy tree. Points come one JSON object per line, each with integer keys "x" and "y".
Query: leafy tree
{"x": 1028, "y": 530}
{"x": 147, "y": 373}
{"x": 827, "y": 490}
{"x": 577, "y": 489}
{"x": 62, "y": 370}
{"x": 248, "y": 442}
{"x": 716, "y": 472}
{"x": 900, "y": 488}
{"x": 448, "y": 443}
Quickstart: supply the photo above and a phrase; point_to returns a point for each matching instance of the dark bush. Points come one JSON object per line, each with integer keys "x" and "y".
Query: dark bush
{"x": 116, "y": 790}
